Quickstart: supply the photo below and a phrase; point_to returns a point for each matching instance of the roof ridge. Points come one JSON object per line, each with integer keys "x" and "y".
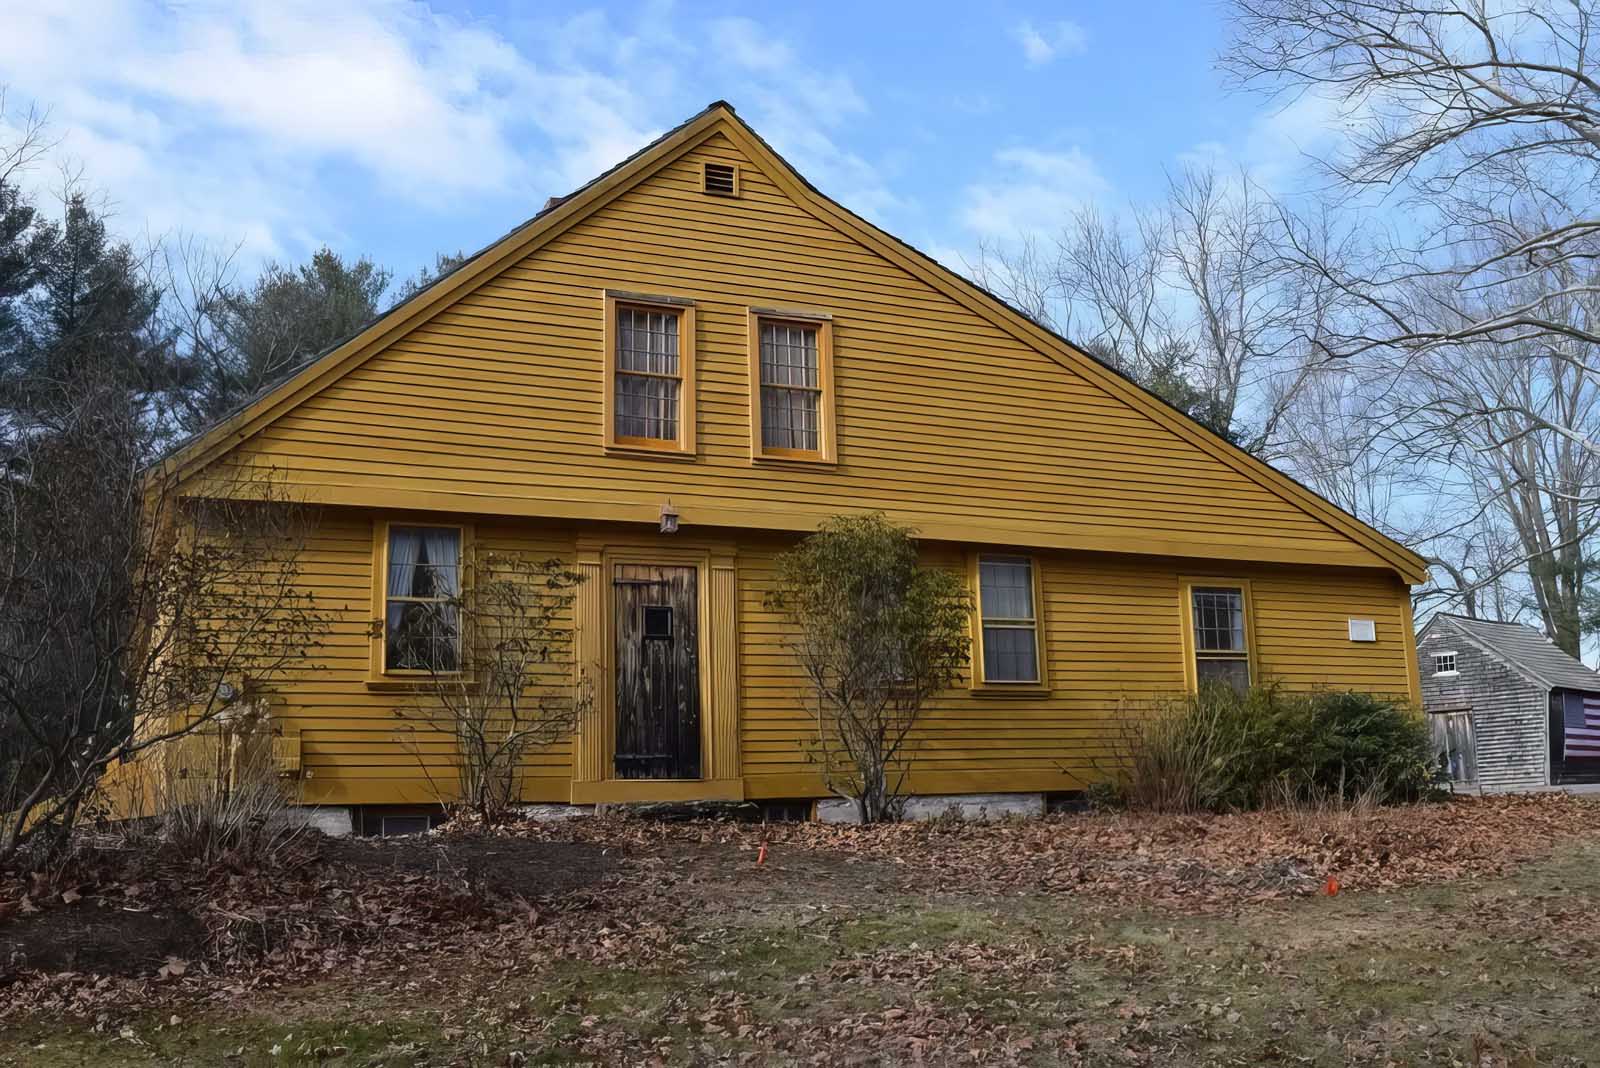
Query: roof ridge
{"x": 1489, "y": 622}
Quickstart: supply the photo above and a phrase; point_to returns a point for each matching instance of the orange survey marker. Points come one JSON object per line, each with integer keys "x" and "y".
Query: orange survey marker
{"x": 761, "y": 854}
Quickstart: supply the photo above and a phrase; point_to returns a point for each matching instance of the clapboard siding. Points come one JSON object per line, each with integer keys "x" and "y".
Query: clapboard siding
{"x": 1509, "y": 711}
{"x": 1112, "y": 639}
{"x": 481, "y": 402}
{"x": 1111, "y": 636}
{"x": 499, "y": 396}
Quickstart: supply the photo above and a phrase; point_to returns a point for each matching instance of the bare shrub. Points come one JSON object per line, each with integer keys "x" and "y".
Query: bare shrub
{"x": 216, "y": 794}
{"x": 134, "y": 610}
{"x": 510, "y": 691}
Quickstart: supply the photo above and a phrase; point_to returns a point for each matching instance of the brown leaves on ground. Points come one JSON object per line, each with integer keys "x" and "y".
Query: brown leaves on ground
{"x": 1193, "y": 862}
{"x": 633, "y": 893}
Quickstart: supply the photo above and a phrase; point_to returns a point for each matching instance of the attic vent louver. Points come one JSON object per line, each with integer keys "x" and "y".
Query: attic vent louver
{"x": 721, "y": 179}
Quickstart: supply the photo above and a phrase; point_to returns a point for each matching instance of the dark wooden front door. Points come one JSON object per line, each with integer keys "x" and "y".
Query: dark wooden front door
{"x": 658, "y": 672}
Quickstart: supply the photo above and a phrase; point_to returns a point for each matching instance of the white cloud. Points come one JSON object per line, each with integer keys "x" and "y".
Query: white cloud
{"x": 1044, "y": 44}
{"x": 276, "y": 121}
{"x": 1031, "y": 191}
{"x": 798, "y": 107}
{"x": 223, "y": 118}
{"x": 1277, "y": 147}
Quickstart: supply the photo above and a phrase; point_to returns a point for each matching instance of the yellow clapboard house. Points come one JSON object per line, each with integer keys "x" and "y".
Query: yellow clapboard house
{"x": 700, "y": 339}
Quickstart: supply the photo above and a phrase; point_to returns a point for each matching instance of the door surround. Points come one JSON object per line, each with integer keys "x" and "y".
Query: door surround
{"x": 594, "y": 777}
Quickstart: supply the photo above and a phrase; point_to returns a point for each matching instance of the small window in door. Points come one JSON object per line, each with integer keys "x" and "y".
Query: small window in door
{"x": 658, "y": 622}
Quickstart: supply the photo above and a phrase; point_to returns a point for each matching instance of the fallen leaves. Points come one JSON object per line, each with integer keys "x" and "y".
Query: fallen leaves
{"x": 397, "y": 916}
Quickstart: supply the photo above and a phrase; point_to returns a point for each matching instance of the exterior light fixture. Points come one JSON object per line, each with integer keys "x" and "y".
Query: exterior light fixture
{"x": 669, "y": 518}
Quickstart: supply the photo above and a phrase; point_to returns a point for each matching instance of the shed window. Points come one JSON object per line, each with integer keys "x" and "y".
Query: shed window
{"x": 1444, "y": 663}
{"x": 422, "y": 629}
{"x": 1221, "y": 649}
{"x": 1010, "y": 632}
{"x": 791, "y": 401}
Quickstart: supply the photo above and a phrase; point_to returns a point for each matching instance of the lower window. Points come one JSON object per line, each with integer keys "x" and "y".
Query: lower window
{"x": 1010, "y": 622}
{"x": 422, "y": 625}
{"x": 1221, "y": 648}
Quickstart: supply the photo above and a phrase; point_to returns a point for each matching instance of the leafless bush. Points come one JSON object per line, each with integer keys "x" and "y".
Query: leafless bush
{"x": 216, "y": 794}
{"x": 134, "y": 609}
{"x": 510, "y": 691}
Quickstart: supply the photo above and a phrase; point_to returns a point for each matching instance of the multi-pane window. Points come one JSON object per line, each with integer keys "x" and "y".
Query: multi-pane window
{"x": 1222, "y": 653}
{"x": 1444, "y": 663}
{"x": 791, "y": 387}
{"x": 422, "y": 594}
{"x": 1009, "y": 618}
{"x": 649, "y": 374}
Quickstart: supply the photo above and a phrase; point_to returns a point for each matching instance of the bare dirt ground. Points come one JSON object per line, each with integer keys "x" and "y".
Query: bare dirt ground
{"x": 1442, "y": 934}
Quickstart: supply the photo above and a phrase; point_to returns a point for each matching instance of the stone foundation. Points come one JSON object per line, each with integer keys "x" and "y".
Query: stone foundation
{"x": 335, "y": 821}
{"x": 960, "y": 806}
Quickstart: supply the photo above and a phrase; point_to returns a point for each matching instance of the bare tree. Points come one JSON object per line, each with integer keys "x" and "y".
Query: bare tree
{"x": 876, "y": 635}
{"x": 133, "y": 610}
{"x": 1192, "y": 298}
{"x": 1484, "y": 410}
{"x": 1483, "y": 121}
{"x": 1477, "y": 125}
{"x": 499, "y": 680}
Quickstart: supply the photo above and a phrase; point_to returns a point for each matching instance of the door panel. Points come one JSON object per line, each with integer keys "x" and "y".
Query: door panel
{"x": 1452, "y": 735}
{"x": 658, "y": 672}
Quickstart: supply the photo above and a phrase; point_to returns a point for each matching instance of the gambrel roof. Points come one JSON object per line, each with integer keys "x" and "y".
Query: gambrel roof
{"x": 1523, "y": 649}
{"x": 563, "y": 215}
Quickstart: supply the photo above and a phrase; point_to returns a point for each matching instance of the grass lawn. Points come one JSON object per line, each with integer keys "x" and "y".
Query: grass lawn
{"x": 811, "y": 958}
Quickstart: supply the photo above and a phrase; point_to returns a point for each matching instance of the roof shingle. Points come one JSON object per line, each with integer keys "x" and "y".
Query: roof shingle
{"x": 1529, "y": 651}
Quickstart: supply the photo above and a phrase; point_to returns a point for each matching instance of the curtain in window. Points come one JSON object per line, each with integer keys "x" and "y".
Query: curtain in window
{"x": 405, "y": 545}
{"x": 443, "y": 546}
{"x": 421, "y": 627}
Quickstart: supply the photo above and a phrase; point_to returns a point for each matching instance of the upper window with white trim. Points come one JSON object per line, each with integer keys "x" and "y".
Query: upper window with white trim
{"x": 1445, "y": 663}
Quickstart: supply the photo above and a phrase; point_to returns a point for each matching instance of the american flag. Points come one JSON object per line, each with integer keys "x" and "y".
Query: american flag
{"x": 1582, "y": 720}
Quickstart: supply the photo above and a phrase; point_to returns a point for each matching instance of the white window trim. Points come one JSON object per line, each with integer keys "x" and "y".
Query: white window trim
{"x": 1453, "y": 655}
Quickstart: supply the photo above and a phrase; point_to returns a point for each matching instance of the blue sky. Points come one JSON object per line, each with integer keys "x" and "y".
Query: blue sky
{"x": 403, "y": 129}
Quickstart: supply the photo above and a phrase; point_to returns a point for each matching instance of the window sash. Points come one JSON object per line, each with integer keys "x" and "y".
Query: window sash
{"x": 1219, "y": 620}
{"x": 791, "y": 386}
{"x": 1009, "y": 620}
{"x": 422, "y": 629}
{"x": 1220, "y": 632}
{"x": 648, "y": 386}
{"x": 791, "y": 419}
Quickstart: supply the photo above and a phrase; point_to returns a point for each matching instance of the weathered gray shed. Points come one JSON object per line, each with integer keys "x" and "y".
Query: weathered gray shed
{"x": 1507, "y": 706}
